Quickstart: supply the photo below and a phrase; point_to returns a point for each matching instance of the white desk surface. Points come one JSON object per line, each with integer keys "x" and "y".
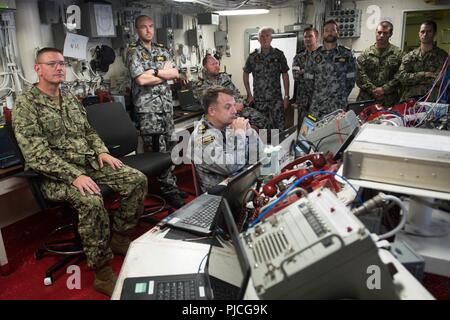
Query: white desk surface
{"x": 152, "y": 255}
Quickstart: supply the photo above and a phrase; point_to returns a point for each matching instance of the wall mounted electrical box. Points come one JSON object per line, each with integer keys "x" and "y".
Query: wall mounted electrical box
{"x": 208, "y": 18}
{"x": 48, "y": 12}
{"x": 349, "y": 21}
{"x": 97, "y": 20}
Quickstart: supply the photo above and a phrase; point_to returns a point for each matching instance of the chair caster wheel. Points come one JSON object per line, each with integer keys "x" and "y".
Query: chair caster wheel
{"x": 39, "y": 254}
{"x": 48, "y": 281}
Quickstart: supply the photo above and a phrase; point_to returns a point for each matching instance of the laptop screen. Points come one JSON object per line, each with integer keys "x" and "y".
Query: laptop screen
{"x": 227, "y": 268}
{"x": 237, "y": 189}
{"x": 186, "y": 98}
{"x": 7, "y": 149}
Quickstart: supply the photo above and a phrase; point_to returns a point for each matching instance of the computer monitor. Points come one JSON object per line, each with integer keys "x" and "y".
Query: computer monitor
{"x": 359, "y": 106}
{"x": 187, "y": 101}
{"x": 237, "y": 191}
{"x": 8, "y": 156}
{"x": 286, "y": 139}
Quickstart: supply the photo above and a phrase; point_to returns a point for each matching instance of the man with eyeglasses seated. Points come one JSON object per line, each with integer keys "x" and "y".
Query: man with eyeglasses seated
{"x": 58, "y": 142}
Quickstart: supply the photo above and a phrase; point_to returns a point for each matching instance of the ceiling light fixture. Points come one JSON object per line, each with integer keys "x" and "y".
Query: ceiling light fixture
{"x": 242, "y": 12}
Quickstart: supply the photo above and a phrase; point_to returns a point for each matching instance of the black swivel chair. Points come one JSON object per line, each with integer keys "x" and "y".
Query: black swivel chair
{"x": 64, "y": 240}
{"x": 113, "y": 124}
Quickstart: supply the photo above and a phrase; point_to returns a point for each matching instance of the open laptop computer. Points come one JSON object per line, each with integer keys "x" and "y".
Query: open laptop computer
{"x": 226, "y": 276}
{"x": 188, "y": 101}
{"x": 8, "y": 156}
{"x": 198, "y": 215}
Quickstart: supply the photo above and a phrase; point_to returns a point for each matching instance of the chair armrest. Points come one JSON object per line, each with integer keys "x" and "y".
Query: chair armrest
{"x": 28, "y": 174}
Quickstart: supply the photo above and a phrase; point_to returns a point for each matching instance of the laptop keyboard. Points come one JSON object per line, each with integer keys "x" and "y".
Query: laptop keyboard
{"x": 205, "y": 216}
{"x": 176, "y": 290}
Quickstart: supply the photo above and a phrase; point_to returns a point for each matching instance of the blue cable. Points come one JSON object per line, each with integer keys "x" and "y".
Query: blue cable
{"x": 296, "y": 183}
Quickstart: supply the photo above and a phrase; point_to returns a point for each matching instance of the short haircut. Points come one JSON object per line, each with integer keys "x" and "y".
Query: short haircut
{"x": 45, "y": 50}
{"x": 331, "y": 21}
{"x": 264, "y": 29}
{"x": 140, "y": 18}
{"x": 430, "y": 23}
{"x": 387, "y": 24}
{"x": 205, "y": 59}
{"x": 211, "y": 94}
{"x": 309, "y": 29}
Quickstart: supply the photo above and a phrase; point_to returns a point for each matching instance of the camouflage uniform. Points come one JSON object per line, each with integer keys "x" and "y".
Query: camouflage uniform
{"x": 329, "y": 79}
{"x": 57, "y": 141}
{"x": 153, "y": 103}
{"x": 378, "y": 69}
{"x": 298, "y": 71}
{"x": 414, "y": 65}
{"x": 223, "y": 79}
{"x": 217, "y": 154}
{"x": 266, "y": 70}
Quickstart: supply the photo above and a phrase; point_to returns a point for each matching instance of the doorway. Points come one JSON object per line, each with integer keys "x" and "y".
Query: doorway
{"x": 412, "y": 21}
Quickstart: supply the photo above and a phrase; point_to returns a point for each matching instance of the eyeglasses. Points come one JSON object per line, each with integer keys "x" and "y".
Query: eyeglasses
{"x": 53, "y": 64}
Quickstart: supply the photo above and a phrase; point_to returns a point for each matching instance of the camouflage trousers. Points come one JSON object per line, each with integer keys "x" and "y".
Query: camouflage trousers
{"x": 93, "y": 219}
{"x": 255, "y": 117}
{"x": 274, "y": 111}
{"x": 153, "y": 125}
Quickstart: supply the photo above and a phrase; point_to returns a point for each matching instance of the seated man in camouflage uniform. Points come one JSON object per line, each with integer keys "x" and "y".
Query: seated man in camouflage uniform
{"x": 58, "y": 142}
{"x": 377, "y": 68}
{"x": 221, "y": 142}
{"x": 213, "y": 77}
{"x": 420, "y": 67}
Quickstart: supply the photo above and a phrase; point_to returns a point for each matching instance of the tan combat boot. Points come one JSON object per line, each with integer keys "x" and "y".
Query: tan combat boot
{"x": 105, "y": 280}
{"x": 119, "y": 243}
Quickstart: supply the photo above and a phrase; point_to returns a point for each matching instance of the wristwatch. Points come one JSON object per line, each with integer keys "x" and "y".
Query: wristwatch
{"x": 155, "y": 72}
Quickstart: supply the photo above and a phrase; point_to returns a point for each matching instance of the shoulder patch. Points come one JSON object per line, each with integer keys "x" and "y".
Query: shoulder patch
{"x": 318, "y": 59}
{"x": 202, "y": 128}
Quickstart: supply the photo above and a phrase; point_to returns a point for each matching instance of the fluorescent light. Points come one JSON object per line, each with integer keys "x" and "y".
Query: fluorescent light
{"x": 242, "y": 12}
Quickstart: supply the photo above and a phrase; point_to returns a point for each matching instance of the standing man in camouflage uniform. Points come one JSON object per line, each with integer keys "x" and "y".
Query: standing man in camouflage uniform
{"x": 58, "y": 142}
{"x": 221, "y": 142}
{"x": 213, "y": 77}
{"x": 310, "y": 39}
{"x": 377, "y": 69}
{"x": 421, "y": 67}
{"x": 329, "y": 74}
{"x": 150, "y": 66}
{"x": 267, "y": 64}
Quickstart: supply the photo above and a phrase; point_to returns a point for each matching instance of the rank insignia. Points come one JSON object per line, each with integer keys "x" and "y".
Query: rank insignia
{"x": 160, "y": 58}
{"x": 318, "y": 59}
{"x": 202, "y": 129}
{"x": 341, "y": 59}
{"x": 208, "y": 139}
